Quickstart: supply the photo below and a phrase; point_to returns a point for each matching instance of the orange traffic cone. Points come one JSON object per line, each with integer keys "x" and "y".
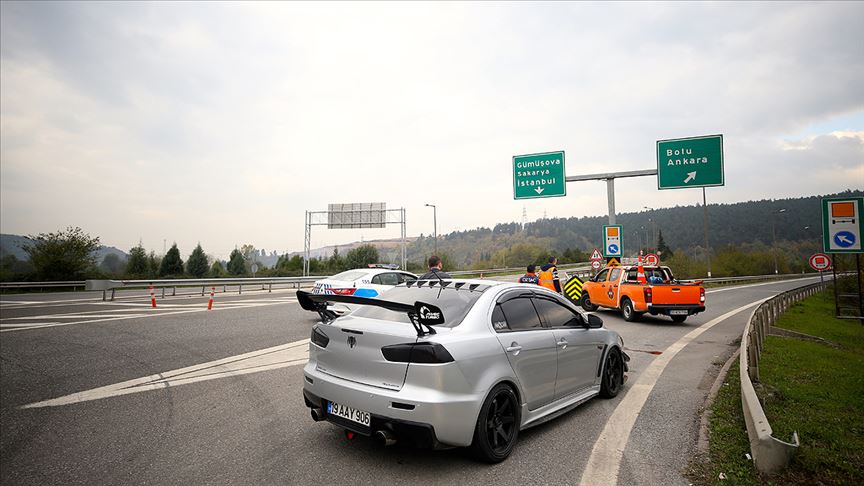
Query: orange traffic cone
{"x": 152, "y": 297}
{"x": 640, "y": 271}
{"x": 210, "y": 304}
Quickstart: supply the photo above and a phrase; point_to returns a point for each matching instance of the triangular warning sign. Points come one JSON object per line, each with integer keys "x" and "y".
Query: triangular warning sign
{"x": 596, "y": 255}
{"x": 613, "y": 262}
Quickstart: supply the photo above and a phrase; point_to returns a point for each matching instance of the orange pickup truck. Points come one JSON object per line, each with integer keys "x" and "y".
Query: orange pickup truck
{"x": 618, "y": 288}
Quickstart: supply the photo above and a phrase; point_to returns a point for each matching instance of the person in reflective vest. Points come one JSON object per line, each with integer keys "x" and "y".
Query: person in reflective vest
{"x": 549, "y": 275}
{"x": 530, "y": 277}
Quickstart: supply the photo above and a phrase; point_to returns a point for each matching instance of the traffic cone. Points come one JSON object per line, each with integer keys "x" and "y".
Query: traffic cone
{"x": 152, "y": 297}
{"x": 640, "y": 271}
{"x": 210, "y": 304}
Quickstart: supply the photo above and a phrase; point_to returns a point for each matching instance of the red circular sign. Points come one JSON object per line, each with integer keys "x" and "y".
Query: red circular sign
{"x": 595, "y": 265}
{"x": 820, "y": 262}
{"x": 652, "y": 260}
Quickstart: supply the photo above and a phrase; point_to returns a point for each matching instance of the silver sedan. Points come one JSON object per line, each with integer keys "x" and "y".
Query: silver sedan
{"x": 444, "y": 363}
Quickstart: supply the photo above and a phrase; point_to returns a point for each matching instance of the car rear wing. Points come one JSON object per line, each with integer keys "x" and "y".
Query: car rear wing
{"x": 423, "y": 316}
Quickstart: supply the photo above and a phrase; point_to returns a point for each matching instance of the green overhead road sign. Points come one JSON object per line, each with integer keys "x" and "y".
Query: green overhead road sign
{"x": 539, "y": 175}
{"x": 842, "y": 228}
{"x": 690, "y": 162}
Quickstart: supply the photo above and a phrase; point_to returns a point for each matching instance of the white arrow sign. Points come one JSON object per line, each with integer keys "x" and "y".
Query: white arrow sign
{"x": 690, "y": 177}
{"x": 538, "y": 190}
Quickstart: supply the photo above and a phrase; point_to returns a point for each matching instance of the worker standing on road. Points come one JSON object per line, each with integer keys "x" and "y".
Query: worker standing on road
{"x": 549, "y": 275}
{"x": 530, "y": 277}
{"x": 434, "y": 272}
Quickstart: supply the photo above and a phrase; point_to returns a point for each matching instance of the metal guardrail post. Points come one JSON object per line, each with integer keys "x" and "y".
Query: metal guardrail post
{"x": 240, "y": 289}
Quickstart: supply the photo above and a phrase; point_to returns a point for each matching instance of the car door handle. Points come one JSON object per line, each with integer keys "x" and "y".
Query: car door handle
{"x": 562, "y": 343}
{"x": 514, "y": 348}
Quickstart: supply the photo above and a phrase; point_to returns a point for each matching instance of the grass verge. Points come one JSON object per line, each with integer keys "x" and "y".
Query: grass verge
{"x": 812, "y": 387}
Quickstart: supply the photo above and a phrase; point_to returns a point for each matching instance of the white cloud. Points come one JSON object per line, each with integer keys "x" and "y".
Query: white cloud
{"x": 224, "y": 124}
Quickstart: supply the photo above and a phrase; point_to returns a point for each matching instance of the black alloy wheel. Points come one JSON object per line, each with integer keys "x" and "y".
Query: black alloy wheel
{"x": 497, "y": 426}
{"x": 586, "y": 303}
{"x": 613, "y": 375}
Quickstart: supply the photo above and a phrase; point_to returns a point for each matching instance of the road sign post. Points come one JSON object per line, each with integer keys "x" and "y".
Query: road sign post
{"x": 539, "y": 175}
{"x": 841, "y": 224}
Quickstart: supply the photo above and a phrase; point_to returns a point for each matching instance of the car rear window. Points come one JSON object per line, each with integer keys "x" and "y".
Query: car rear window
{"x": 349, "y": 276}
{"x": 454, "y": 304}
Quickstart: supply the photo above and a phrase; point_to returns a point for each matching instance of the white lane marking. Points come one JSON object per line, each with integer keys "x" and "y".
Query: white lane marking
{"x": 713, "y": 291}
{"x": 146, "y": 316}
{"x": 291, "y": 354}
{"x": 72, "y": 316}
{"x": 605, "y": 460}
{"x": 27, "y": 324}
{"x": 119, "y": 300}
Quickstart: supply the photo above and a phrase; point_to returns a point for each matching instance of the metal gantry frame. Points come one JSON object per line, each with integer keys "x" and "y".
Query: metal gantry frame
{"x": 319, "y": 218}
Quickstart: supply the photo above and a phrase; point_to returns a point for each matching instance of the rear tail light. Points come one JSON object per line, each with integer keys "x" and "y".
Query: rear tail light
{"x": 648, "y": 295}
{"x": 319, "y": 338}
{"x": 417, "y": 353}
{"x": 701, "y": 295}
{"x": 348, "y": 291}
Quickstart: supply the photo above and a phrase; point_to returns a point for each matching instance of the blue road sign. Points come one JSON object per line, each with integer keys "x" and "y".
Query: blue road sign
{"x": 844, "y": 239}
{"x": 613, "y": 249}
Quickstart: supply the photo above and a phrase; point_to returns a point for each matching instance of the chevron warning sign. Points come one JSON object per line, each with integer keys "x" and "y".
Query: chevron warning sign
{"x": 573, "y": 289}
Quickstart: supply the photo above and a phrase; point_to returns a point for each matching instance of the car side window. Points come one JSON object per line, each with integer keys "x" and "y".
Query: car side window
{"x": 377, "y": 280}
{"x": 404, "y": 277}
{"x": 520, "y": 314}
{"x": 556, "y": 314}
{"x": 499, "y": 322}
{"x": 614, "y": 274}
{"x": 389, "y": 278}
{"x": 601, "y": 277}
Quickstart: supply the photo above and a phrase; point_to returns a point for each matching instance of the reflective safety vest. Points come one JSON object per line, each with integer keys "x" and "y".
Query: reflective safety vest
{"x": 547, "y": 279}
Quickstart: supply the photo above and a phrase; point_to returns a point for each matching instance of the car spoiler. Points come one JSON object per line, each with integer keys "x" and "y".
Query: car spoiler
{"x": 423, "y": 316}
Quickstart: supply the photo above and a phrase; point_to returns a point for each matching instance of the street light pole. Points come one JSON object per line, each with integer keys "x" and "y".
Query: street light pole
{"x": 434, "y": 225}
{"x": 653, "y": 229}
{"x": 774, "y": 238}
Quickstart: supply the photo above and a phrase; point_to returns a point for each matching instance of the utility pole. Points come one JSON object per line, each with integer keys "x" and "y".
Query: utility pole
{"x": 774, "y": 237}
{"x": 705, "y": 221}
{"x": 434, "y": 225}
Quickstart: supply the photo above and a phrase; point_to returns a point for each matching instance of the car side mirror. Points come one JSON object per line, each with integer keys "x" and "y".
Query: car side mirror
{"x": 594, "y": 322}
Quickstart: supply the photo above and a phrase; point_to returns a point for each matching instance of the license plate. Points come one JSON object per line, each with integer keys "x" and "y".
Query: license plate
{"x": 348, "y": 413}
{"x": 678, "y": 312}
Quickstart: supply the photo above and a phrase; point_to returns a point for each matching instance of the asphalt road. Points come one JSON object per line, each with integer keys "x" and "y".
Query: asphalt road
{"x": 118, "y": 392}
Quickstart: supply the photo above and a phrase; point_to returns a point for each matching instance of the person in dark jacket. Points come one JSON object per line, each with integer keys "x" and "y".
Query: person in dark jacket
{"x": 434, "y": 272}
{"x": 549, "y": 275}
{"x": 530, "y": 277}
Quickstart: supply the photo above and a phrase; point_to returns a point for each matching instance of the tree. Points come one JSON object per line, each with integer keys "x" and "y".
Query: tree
{"x": 236, "y": 263}
{"x": 64, "y": 255}
{"x": 153, "y": 264}
{"x": 217, "y": 270}
{"x": 361, "y": 256}
{"x": 664, "y": 251}
{"x": 172, "y": 264}
{"x": 137, "y": 265}
{"x": 196, "y": 266}
{"x": 13, "y": 269}
{"x": 112, "y": 264}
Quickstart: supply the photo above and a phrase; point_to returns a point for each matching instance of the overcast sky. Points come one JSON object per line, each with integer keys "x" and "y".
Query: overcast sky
{"x": 222, "y": 123}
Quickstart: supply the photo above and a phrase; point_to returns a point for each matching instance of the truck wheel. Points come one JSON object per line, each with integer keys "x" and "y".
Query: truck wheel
{"x": 586, "y": 303}
{"x": 678, "y": 318}
{"x": 629, "y": 312}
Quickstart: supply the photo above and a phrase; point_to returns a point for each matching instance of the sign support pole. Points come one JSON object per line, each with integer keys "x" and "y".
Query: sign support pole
{"x": 610, "y": 195}
{"x": 705, "y": 220}
{"x": 610, "y": 184}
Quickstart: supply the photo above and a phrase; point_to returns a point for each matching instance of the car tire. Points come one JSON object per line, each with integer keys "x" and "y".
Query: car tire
{"x": 678, "y": 319}
{"x": 586, "y": 303}
{"x": 628, "y": 311}
{"x": 613, "y": 374}
{"x": 497, "y": 427}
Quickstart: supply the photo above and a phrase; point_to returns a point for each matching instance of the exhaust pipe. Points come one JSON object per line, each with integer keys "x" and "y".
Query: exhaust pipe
{"x": 317, "y": 414}
{"x": 385, "y": 438}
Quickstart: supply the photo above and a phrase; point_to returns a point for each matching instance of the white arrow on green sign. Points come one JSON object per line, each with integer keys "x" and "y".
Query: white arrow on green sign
{"x": 539, "y": 175}
{"x": 690, "y": 162}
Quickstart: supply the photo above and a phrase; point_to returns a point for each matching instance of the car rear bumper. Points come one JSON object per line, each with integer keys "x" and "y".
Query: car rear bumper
{"x": 426, "y": 417}
{"x": 666, "y": 309}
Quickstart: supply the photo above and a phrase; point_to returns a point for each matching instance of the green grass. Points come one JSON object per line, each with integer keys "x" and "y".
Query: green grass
{"x": 814, "y": 388}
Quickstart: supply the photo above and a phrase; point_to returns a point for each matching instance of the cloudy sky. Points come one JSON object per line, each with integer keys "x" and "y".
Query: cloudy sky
{"x": 223, "y": 123}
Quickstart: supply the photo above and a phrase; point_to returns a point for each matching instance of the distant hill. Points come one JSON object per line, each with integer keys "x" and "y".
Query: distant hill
{"x": 14, "y": 245}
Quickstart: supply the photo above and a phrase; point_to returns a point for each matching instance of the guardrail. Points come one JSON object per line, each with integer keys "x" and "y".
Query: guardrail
{"x": 264, "y": 282}
{"x": 769, "y": 453}
{"x": 42, "y": 285}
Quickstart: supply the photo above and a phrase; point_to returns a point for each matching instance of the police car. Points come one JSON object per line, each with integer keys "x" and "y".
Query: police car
{"x": 359, "y": 282}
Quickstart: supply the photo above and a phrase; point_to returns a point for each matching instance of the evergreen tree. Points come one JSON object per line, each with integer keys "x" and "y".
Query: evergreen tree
{"x": 153, "y": 263}
{"x": 172, "y": 264}
{"x": 137, "y": 266}
{"x": 664, "y": 251}
{"x": 217, "y": 270}
{"x": 64, "y": 255}
{"x": 236, "y": 263}
{"x": 362, "y": 256}
{"x": 196, "y": 266}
